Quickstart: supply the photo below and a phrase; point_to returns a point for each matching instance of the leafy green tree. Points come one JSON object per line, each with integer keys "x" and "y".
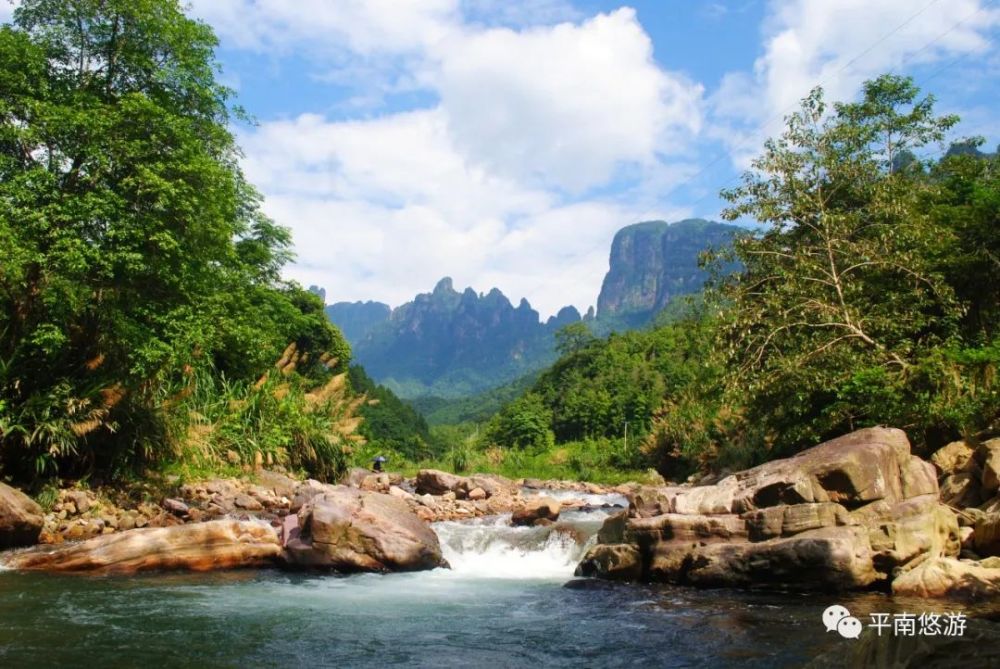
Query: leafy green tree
{"x": 841, "y": 296}
{"x": 573, "y": 338}
{"x": 132, "y": 249}
{"x": 524, "y": 423}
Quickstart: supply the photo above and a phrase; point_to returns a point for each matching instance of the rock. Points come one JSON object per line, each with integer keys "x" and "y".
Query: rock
{"x": 396, "y": 491}
{"x": 955, "y": 458}
{"x": 965, "y": 534}
{"x": 613, "y": 529}
{"x": 960, "y": 490}
{"x": 830, "y": 558}
{"x": 949, "y": 578}
{"x": 280, "y": 484}
{"x": 673, "y": 528}
{"x": 80, "y": 500}
{"x": 247, "y": 502}
{"x": 848, "y": 513}
{"x": 222, "y": 544}
{"x": 617, "y": 562}
{"x": 375, "y": 483}
{"x": 785, "y": 520}
{"x": 21, "y": 519}
{"x": 449, "y": 496}
{"x": 986, "y": 538}
{"x": 535, "y": 508}
{"x": 477, "y": 494}
{"x": 908, "y": 530}
{"x": 987, "y": 456}
{"x": 176, "y": 507}
{"x": 435, "y": 482}
{"x": 351, "y": 530}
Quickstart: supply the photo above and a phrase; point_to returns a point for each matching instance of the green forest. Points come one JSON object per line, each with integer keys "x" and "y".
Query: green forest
{"x": 146, "y": 324}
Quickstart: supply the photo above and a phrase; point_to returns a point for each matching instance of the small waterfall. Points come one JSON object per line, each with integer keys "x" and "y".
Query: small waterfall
{"x": 492, "y": 548}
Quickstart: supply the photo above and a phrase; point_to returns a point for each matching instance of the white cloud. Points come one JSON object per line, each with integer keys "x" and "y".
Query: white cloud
{"x": 360, "y": 26}
{"x": 839, "y": 44}
{"x": 386, "y": 207}
{"x": 565, "y": 105}
{"x": 474, "y": 186}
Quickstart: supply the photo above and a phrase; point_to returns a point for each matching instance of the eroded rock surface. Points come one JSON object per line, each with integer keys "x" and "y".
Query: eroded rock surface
{"x": 220, "y": 544}
{"x": 842, "y": 515}
{"x": 21, "y": 519}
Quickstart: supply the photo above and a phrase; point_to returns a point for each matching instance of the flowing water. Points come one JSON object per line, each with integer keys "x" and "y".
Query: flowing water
{"x": 510, "y": 600}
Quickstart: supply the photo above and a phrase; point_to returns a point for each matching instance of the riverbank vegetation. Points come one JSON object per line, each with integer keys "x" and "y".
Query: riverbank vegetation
{"x": 143, "y": 310}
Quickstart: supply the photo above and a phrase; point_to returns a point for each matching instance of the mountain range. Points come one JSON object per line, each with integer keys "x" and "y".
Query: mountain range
{"x": 451, "y": 344}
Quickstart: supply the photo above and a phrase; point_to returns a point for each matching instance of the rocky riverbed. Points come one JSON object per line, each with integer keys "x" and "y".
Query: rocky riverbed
{"x": 857, "y": 513}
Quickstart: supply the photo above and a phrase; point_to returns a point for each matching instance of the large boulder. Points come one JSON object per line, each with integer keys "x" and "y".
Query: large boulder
{"x": 844, "y": 514}
{"x": 21, "y": 519}
{"x": 351, "y": 530}
{"x": 949, "y": 578}
{"x": 436, "y": 482}
{"x": 960, "y": 490}
{"x": 219, "y": 544}
{"x": 619, "y": 562}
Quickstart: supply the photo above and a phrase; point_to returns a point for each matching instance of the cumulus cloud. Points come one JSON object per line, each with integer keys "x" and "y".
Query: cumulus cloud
{"x": 839, "y": 44}
{"x": 565, "y": 105}
{"x": 385, "y": 207}
{"x": 487, "y": 182}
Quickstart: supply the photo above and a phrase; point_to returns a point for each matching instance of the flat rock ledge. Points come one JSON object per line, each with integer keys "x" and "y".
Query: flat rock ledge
{"x": 209, "y": 546}
{"x": 853, "y": 513}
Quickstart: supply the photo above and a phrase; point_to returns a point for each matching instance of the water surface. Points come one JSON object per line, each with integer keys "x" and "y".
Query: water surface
{"x": 506, "y": 603}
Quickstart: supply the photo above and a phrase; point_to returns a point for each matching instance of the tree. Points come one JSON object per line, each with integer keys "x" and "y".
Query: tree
{"x": 573, "y": 338}
{"x": 840, "y": 296}
{"x": 131, "y": 246}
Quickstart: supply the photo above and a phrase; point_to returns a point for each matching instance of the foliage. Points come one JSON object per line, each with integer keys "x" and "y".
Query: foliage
{"x": 389, "y": 423}
{"x": 869, "y": 295}
{"x": 132, "y": 249}
{"x": 844, "y": 296}
{"x": 282, "y": 419}
{"x": 475, "y": 409}
{"x": 524, "y": 423}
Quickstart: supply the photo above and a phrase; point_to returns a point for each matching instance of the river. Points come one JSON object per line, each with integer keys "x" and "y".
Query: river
{"x": 510, "y": 600}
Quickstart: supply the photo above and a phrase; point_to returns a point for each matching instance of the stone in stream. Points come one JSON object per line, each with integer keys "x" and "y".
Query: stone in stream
{"x": 21, "y": 519}
{"x": 843, "y": 515}
{"x": 534, "y": 510}
{"x": 220, "y": 544}
{"x": 946, "y": 577}
{"x": 350, "y": 530}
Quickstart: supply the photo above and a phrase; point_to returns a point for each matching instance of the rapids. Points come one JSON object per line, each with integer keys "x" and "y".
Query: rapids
{"x": 504, "y": 603}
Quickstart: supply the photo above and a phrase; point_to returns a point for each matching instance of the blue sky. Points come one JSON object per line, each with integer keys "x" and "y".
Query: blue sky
{"x": 504, "y": 142}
